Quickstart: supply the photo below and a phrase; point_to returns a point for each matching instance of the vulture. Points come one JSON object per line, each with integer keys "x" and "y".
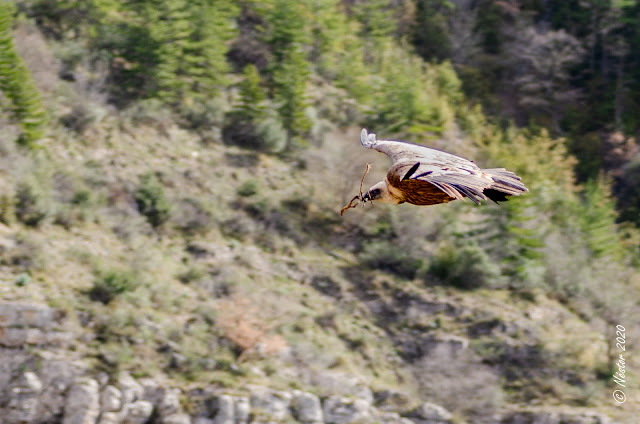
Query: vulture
{"x": 423, "y": 176}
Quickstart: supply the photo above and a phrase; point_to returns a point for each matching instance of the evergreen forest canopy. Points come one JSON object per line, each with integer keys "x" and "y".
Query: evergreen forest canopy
{"x": 548, "y": 89}
{"x": 570, "y": 67}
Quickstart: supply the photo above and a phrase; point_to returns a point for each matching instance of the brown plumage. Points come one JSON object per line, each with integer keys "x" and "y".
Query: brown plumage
{"x": 423, "y": 176}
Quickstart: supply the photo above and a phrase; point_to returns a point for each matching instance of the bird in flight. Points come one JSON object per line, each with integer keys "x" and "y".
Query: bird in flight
{"x": 423, "y": 176}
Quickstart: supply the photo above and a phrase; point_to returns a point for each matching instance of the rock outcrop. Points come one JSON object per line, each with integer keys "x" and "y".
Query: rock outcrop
{"x": 45, "y": 384}
{"x": 28, "y": 324}
{"x": 553, "y": 417}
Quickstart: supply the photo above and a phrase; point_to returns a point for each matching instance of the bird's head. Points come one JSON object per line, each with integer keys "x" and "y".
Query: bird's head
{"x": 380, "y": 193}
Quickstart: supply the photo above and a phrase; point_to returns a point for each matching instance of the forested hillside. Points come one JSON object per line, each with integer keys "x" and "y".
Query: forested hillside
{"x": 171, "y": 176}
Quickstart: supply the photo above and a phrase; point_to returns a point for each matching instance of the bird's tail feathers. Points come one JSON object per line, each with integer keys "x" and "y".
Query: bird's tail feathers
{"x": 505, "y": 181}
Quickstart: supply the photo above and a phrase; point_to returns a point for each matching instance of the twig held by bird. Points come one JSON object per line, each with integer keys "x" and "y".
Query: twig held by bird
{"x": 357, "y": 197}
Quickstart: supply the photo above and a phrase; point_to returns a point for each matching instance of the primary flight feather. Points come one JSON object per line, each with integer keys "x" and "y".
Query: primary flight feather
{"x": 423, "y": 176}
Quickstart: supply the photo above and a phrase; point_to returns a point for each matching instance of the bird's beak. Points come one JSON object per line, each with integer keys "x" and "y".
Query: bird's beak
{"x": 366, "y": 197}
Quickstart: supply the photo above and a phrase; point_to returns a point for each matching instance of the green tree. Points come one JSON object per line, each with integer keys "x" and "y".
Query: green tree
{"x": 174, "y": 50}
{"x": 375, "y": 19}
{"x": 290, "y": 86}
{"x": 254, "y": 123}
{"x": 16, "y": 83}
{"x": 252, "y": 95}
{"x": 598, "y": 219}
{"x": 287, "y": 21}
{"x": 192, "y": 43}
{"x": 519, "y": 242}
{"x": 288, "y": 37}
{"x": 213, "y": 22}
{"x": 430, "y": 32}
{"x": 411, "y": 97}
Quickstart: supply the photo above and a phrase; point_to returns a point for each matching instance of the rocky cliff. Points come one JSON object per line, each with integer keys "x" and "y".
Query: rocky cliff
{"x": 44, "y": 380}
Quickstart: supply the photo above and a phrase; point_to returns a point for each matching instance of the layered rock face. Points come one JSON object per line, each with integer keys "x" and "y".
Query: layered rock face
{"x": 41, "y": 381}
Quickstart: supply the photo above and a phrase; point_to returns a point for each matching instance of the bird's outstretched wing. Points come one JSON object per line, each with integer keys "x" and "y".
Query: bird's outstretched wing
{"x": 416, "y": 170}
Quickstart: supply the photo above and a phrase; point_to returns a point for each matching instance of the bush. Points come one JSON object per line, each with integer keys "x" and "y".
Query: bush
{"x": 22, "y": 279}
{"x": 27, "y": 255}
{"x": 151, "y": 112}
{"x": 248, "y": 188}
{"x": 111, "y": 284}
{"x": 192, "y": 216}
{"x": 465, "y": 267}
{"x": 387, "y": 257}
{"x": 6, "y": 209}
{"x": 204, "y": 113}
{"x": 151, "y": 201}
{"x": 265, "y": 134}
{"x": 30, "y": 204}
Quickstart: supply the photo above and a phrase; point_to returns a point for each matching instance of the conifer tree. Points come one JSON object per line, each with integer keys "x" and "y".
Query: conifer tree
{"x": 16, "y": 83}
{"x": 336, "y": 50}
{"x": 287, "y": 22}
{"x": 179, "y": 46}
{"x": 375, "y": 19}
{"x": 520, "y": 241}
{"x": 598, "y": 219}
{"x": 252, "y": 96}
{"x": 290, "y": 80}
{"x": 212, "y": 29}
{"x": 170, "y": 28}
{"x": 430, "y": 32}
{"x": 290, "y": 68}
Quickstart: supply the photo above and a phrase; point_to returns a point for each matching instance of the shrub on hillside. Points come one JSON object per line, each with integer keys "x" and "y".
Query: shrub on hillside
{"x": 248, "y": 188}
{"x": 30, "y": 205}
{"x": 152, "y": 201}
{"x": 382, "y": 255}
{"x": 465, "y": 267}
{"x": 6, "y": 209}
{"x": 27, "y": 255}
{"x": 191, "y": 216}
{"x": 110, "y": 284}
{"x": 265, "y": 134}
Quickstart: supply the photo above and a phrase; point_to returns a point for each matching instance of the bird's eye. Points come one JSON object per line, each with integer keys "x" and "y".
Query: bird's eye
{"x": 375, "y": 193}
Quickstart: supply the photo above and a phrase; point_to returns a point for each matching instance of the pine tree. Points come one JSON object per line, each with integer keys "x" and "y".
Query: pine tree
{"x": 287, "y": 28}
{"x": 290, "y": 68}
{"x": 212, "y": 22}
{"x": 375, "y": 19}
{"x": 175, "y": 50}
{"x": 598, "y": 219}
{"x": 16, "y": 83}
{"x": 254, "y": 123}
{"x": 521, "y": 242}
{"x": 170, "y": 27}
{"x": 290, "y": 81}
{"x": 430, "y": 32}
{"x": 252, "y": 95}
